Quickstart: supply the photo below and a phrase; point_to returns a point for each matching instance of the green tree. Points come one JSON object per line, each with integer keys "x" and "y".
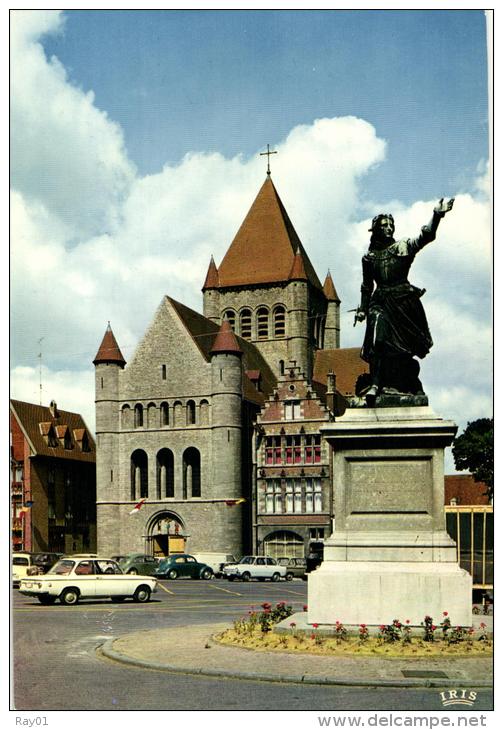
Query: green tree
{"x": 474, "y": 450}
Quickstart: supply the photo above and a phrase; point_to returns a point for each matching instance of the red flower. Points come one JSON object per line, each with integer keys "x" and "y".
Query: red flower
{"x": 446, "y": 613}
{"x": 407, "y": 621}
{"x": 482, "y": 625}
{"x": 305, "y": 607}
{"x": 382, "y": 627}
{"x": 315, "y": 626}
{"x": 433, "y": 628}
{"x": 313, "y": 636}
{"x": 363, "y": 625}
{"x": 293, "y": 624}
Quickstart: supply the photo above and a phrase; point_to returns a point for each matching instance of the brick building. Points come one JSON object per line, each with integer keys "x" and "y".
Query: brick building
{"x": 53, "y": 480}
{"x": 214, "y": 421}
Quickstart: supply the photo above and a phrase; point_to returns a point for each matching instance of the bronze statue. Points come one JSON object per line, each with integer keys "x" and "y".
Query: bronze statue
{"x": 397, "y": 330}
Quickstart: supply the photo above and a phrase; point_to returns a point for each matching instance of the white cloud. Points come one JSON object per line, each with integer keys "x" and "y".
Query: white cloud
{"x": 92, "y": 241}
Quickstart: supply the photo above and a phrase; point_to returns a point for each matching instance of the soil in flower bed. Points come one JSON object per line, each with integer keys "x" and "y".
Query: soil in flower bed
{"x": 270, "y": 641}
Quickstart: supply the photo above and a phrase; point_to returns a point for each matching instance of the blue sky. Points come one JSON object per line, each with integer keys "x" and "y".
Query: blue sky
{"x": 135, "y": 141}
{"x": 231, "y": 81}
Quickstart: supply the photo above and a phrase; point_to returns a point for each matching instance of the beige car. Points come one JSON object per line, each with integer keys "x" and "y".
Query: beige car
{"x": 22, "y": 566}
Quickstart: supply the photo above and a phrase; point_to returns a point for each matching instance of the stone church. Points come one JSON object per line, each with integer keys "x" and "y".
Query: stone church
{"x": 212, "y": 428}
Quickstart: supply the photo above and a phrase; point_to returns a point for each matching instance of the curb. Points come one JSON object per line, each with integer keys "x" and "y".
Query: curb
{"x": 107, "y": 650}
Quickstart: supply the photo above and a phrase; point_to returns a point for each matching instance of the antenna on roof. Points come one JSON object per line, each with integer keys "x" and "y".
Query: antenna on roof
{"x": 268, "y": 153}
{"x": 40, "y": 367}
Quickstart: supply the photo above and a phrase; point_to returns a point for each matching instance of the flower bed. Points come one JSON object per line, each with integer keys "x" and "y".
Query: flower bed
{"x": 254, "y": 631}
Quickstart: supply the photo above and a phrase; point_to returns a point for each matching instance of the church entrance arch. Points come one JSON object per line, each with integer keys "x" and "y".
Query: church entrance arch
{"x": 166, "y": 534}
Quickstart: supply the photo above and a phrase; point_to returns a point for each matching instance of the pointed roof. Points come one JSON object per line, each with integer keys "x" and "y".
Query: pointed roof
{"x": 212, "y": 280}
{"x": 329, "y": 289}
{"x": 265, "y": 246}
{"x": 109, "y": 350}
{"x": 226, "y": 341}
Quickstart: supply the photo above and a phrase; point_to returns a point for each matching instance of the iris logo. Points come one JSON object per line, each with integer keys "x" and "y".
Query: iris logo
{"x": 458, "y": 697}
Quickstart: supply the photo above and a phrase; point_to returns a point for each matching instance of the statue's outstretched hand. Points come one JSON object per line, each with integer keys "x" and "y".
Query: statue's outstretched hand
{"x": 443, "y": 206}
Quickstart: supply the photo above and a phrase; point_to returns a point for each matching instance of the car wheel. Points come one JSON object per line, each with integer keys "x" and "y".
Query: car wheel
{"x": 275, "y": 577}
{"x": 133, "y": 571}
{"x": 142, "y": 594}
{"x": 289, "y": 576}
{"x": 206, "y": 574}
{"x": 46, "y": 600}
{"x": 245, "y": 577}
{"x": 172, "y": 574}
{"x": 69, "y": 597}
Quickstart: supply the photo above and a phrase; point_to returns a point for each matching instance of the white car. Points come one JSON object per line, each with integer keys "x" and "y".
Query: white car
{"x": 255, "y": 566}
{"x": 72, "y": 578}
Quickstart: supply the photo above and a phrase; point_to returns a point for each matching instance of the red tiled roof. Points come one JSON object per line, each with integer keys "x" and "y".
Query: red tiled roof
{"x": 264, "y": 248}
{"x": 225, "y": 341}
{"x": 345, "y": 362}
{"x": 109, "y": 350}
{"x": 298, "y": 270}
{"x": 36, "y": 422}
{"x": 329, "y": 289}
{"x": 465, "y": 489}
{"x": 212, "y": 280}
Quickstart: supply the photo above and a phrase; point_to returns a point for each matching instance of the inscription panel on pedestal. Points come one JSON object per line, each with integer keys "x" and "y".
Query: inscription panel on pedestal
{"x": 377, "y": 486}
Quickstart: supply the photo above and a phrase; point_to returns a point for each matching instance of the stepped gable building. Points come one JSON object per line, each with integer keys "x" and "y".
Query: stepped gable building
{"x": 53, "y": 480}
{"x": 187, "y": 424}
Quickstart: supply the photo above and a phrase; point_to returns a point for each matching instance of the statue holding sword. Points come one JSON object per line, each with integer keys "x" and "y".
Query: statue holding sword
{"x": 396, "y": 326}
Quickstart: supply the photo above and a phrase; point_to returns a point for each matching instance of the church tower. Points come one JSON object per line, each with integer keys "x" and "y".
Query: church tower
{"x": 267, "y": 288}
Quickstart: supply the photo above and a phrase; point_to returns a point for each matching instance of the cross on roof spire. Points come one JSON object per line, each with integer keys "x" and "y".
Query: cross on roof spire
{"x": 268, "y": 153}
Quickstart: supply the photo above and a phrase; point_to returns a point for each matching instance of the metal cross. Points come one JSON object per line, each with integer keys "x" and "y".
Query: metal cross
{"x": 268, "y": 153}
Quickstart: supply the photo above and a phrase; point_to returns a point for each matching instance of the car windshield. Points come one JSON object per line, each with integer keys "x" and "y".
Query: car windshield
{"x": 62, "y": 567}
{"x": 247, "y": 560}
{"x": 20, "y": 561}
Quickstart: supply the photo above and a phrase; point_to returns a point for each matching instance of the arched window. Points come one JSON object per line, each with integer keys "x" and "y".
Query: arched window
{"x": 138, "y": 415}
{"x": 178, "y": 414}
{"x": 245, "y": 324}
{"x": 165, "y": 474}
{"x": 191, "y": 413}
{"x": 191, "y": 473}
{"x": 230, "y": 316}
{"x": 139, "y": 474}
{"x": 152, "y": 415}
{"x": 126, "y": 416}
{"x": 262, "y": 323}
{"x": 164, "y": 414}
{"x": 279, "y": 321}
{"x": 204, "y": 413}
{"x": 284, "y": 544}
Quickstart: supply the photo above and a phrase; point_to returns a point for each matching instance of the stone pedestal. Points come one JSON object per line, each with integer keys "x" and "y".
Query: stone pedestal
{"x": 389, "y": 555}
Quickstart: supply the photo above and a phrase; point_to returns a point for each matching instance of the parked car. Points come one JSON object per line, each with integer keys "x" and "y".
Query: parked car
{"x": 255, "y": 566}
{"x": 71, "y": 579}
{"x": 183, "y": 566}
{"x": 295, "y": 567}
{"x": 216, "y": 561}
{"x": 23, "y": 565}
{"x": 45, "y": 561}
{"x": 139, "y": 564}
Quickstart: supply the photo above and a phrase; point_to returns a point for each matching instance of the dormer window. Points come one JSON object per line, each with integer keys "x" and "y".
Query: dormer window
{"x": 49, "y": 434}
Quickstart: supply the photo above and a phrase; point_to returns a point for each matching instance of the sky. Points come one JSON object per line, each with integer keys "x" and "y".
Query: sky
{"x": 135, "y": 155}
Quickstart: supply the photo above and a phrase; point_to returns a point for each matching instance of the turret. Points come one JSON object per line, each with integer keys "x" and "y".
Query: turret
{"x": 211, "y": 295}
{"x": 226, "y": 420}
{"x": 108, "y": 364}
{"x": 298, "y": 316}
{"x": 332, "y": 323}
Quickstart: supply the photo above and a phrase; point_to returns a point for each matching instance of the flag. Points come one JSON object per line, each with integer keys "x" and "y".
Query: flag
{"x": 233, "y": 502}
{"x": 137, "y": 507}
{"x": 26, "y": 508}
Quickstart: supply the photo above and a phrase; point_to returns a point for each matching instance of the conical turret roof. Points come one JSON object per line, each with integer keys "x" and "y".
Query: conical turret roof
{"x": 211, "y": 281}
{"x": 225, "y": 341}
{"x": 265, "y": 246}
{"x": 298, "y": 270}
{"x": 109, "y": 351}
{"x": 329, "y": 289}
